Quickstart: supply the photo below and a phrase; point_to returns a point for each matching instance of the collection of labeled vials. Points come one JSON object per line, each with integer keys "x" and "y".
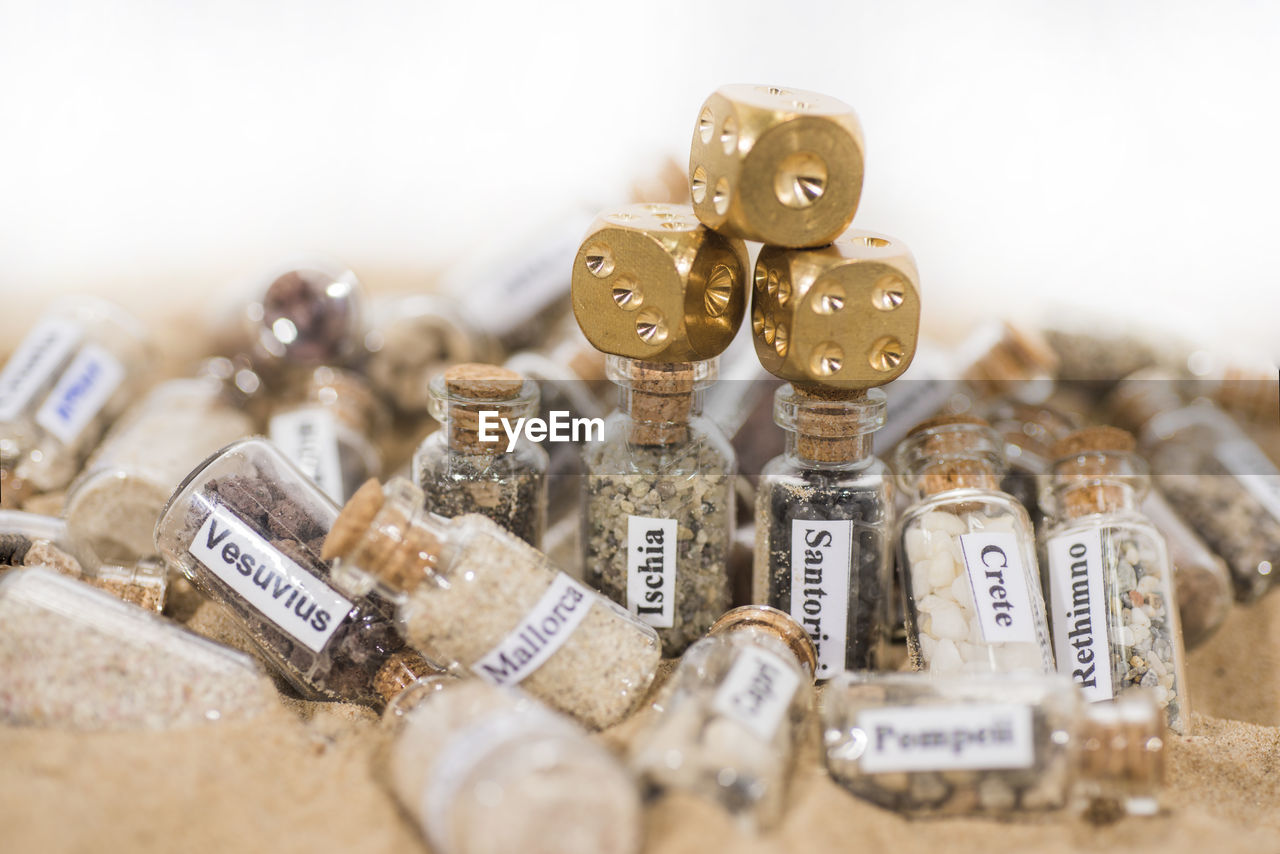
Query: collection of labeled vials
{"x": 959, "y": 589}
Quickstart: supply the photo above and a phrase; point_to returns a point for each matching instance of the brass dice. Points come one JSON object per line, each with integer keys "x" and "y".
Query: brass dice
{"x": 779, "y": 166}
{"x": 650, "y": 282}
{"x": 843, "y": 316}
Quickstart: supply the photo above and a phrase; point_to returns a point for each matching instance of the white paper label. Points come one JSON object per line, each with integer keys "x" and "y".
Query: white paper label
{"x": 984, "y": 737}
{"x": 286, "y": 594}
{"x": 757, "y": 691}
{"x": 537, "y": 637}
{"x": 1079, "y": 602}
{"x": 1256, "y": 473}
{"x": 33, "y": 364}
{"x": 82, "y": 390}
{"x": 998, "y": 579}
{"x": 309, "y": 438}
{"x": 651, "y": 570}
{"x": 821, "y": 562}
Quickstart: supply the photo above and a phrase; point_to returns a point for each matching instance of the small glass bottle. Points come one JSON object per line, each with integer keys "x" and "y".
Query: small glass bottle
{"x": 488, "y": 770}
{"x": 1216, "y": 477}
{"x": 410, "y": 339}
{"x": 967, "y": 556}
{"x": 824, "y": 512}
{"x": 112, "y": 506}
{"x": 301, "y": 317}
{"x": 247, "y": 529}
{"x": 1111, "y": 601}
{"x": 1201, "y": 578}
{"x": 329, "y": 433}
{"x": 78, "y": 658}
{"x": 27, "y": 539}
{"x": 994, "y": 744}
{"x": 473, "y": 597}
{"x": 60, "y": 390}
{"x": 731, "y": 726}
{"x": 660, "y": 501}
{"x": 471, "y": 465}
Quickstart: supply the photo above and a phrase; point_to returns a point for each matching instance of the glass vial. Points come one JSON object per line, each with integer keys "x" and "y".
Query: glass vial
{"x": 1217, "y": 478}
{"x": 300, "y": 318}
{"x": 824, "y": 513}
{"x": 660, "y": 501}
{"x": 471, "y": 465}
{"x": 410, "y": 339}
{"x": 991, "y": 744}
{"x": 84, "y": 361}
{"x": 1111, "y": 601}
{"x": 734, "y": 717}
{"x": 78, "y": 658}
{"x": 488, "y": 770}
{"x": 329, "y": 433}
{"x": 474, "y": 598}
{"x": 967, "y": 556}
{"x": 247, "y": 529}
{"x": 112, "y": 506}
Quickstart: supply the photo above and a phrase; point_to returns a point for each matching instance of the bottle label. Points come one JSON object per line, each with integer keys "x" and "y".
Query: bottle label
{"x": 1079, "y": 601}
{"x": 33, "y": 364}
{"x": 538, "y": 635}
{"x": 309, "y": 438}
{"x": 993, "y": 562}
{"x": 757, "y": 691}
{"x": 293, "y": 599}
{"x": 982, "y": 737}
{"x": 651, "y": 570}
{"x": 1245, "y": 461}
{"x": 821, "y": 562}
{"x": 80, "y": 393}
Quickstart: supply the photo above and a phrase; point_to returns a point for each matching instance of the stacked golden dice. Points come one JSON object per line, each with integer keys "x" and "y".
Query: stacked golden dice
{"x": 832, "y": 310}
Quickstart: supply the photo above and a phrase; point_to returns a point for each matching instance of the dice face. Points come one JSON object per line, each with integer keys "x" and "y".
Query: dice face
{"x": 779, "y": 166}
{"x": 844, "y": 316}
{"x": 651, "y": 282}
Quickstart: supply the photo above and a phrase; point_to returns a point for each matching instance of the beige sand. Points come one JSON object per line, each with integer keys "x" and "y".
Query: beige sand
{"x": 306, "y": 781}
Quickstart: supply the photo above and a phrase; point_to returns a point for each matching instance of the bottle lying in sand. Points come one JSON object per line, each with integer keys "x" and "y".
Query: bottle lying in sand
{"x": 996, "y": 744}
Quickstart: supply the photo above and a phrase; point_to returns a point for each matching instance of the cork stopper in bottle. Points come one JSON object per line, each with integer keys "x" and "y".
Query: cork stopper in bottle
{"x": 775, "y": 622}
{"x": 824, "y": 435}
{"x": 14, "y": 490}
{"x": 959, "y": 463}
{"x": 474, "y": 387}
{"x": 661, "y": 401}
{"x": 1141, "y": 396}
{"x": 1017, "y": 355}
{"x": 1083, "y": 455}
{"x": 381, "y": 539}
{"x": 350, "y": 397}
{"x": 1122, "y": 747}
{"x": 399, "y": 671}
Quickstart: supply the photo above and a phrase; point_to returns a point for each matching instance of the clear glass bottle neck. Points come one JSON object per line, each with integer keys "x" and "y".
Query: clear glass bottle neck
{"x": 948, "y": 457}
{"x": 1096, "y": 482}
{"x": 830, "y": 432}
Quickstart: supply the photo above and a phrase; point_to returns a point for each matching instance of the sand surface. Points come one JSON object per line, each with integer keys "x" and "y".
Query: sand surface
{"x": 305, "y": 779}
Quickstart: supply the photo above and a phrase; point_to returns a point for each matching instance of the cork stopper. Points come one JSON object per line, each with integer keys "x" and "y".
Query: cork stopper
{"x": 1089, "y": 454}
{"x": 401, "y": 670}
{"x": 831, "y": 425}
{"x": 1141, "y": 396}
{"x": 14, "y": 490}
{"x": 380, "y": 538}
{"x": 661, "y": 401}
{"x": 145, "y": 585}
{"x": 1017, "y": 355}
{"x": 775, "y": 622}
{"x": 1122, "y": 750}
{"x": 463, "y": 391}
{"x": 952, "y": 452}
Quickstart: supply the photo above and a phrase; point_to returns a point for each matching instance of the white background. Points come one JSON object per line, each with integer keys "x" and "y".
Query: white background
{"x": 1123, "y": 155}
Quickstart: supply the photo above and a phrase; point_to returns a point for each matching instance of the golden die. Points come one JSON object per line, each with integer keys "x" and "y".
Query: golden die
{"x": 844, "y": 316}
{"x": 650, "y": 282}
